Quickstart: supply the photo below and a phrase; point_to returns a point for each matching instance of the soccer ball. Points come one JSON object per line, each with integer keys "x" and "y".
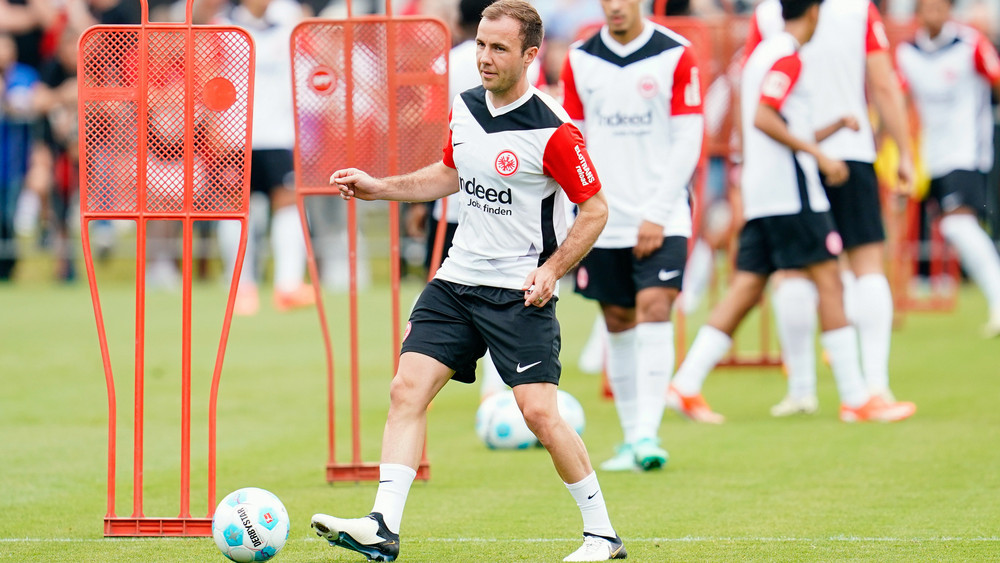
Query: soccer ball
{"x": 571, "y": 410}
{"x": 500, "y": 424}
{"x": 250, "y": 524}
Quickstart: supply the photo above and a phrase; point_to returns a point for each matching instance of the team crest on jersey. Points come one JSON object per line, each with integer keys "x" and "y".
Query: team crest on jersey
{"x": 648, "y": 88}
{"x": 506, "y": 163}
{"x": 834, "y": 244}
{"x": 407, "y": 331}
{"x": 582, "y": 278}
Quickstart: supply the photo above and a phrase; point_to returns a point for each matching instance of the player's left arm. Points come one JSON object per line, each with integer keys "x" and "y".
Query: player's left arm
{"x": 687, "y": 130}
{"x": 566, "y": 161}
{"x": 887, "y": 94}
{"x": 988, "y": 63}
{"x": 846, "y": 122}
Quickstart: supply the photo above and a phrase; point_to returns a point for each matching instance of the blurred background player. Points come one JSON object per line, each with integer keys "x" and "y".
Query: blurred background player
{"x": 789, "y": 224}
{"x": 850, "y": 46}
{"x": 949, "y": 69}
{"x": 633, "y": 89}
{"x": 271, "y": 162}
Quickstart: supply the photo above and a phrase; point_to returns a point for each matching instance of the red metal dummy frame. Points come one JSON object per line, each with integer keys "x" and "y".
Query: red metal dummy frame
{"x": 218, "y": 95}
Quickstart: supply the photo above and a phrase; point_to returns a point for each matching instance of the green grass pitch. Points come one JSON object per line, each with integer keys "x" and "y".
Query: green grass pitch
{"x": 754, "y": 489}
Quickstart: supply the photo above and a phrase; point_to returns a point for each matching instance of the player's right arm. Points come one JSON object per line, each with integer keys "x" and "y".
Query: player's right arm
{"x": 427, "y": 184}
{"x": 887, "y": 94}
{"x": 848, "y": 122}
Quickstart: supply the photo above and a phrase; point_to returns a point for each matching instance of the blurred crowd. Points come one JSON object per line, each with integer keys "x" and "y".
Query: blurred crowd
{"x": 38, "y": 118}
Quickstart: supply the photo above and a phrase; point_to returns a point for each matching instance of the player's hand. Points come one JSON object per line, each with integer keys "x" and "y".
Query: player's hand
{"x": 354, "y": 183}
{"x": 850, "y": 122}
{"x": 650, "y": 239}
{"x": 539, "y": 287}
{"x": 906, "y": 173}
{"x": 834, "y": 171}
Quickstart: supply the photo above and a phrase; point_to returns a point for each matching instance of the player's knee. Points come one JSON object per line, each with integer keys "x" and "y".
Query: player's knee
{"x": 541, "y": 420}
{"x": 405, "y": 393}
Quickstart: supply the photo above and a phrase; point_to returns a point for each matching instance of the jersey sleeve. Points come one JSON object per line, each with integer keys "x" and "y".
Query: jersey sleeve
{"x": 779, "y": 81}
{"x": 987, "y": 61}
{"x": 686, "y": 97}
{"x": 449, "y": 149}
{"x": 567, "y": 162}
{"x": 876, "y": 39}
{"x": 571, "y": 98}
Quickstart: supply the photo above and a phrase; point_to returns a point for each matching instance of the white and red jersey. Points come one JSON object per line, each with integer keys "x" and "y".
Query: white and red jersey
{"x": 512, "y": 163}
{"x": 775, "y": 179}
{"x": 835, "y": 65}
{"x": 640, "y": 108}
{"x": 949, "y": 78}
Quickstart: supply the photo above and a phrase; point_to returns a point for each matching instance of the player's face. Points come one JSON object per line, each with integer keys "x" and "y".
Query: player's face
{"x": 498, "y": 53}
{"x": 932, "y": 14}
{"x": 624, "y": 17}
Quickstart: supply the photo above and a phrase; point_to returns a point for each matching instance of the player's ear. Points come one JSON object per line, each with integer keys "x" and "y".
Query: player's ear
{"x": 529, "y": 55}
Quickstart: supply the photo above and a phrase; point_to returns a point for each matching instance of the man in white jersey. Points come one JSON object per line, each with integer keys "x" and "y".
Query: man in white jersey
{"x": 633, "y": 88}
{"x": 949, "y": 69}
{"x": 271, "y": 167}
{"x": 789, "y": 224}
{"x": 849, "y": 48}
{"x": 510, "y": 150}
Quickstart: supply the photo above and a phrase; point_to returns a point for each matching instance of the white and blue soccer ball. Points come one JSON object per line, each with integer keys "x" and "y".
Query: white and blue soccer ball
{"x": 500, "y": 424}
{"x": 250, "y": 524}
{"x": 572, "y": 411}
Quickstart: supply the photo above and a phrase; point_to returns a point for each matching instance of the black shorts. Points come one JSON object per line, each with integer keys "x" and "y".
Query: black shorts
{"x": 454, "y": 324}
{"x": 856, "y": 207}
{"x": 787, "y": 242}
{"x": 614, "y": 275}
{"x": 271, "y": 169}
{"x": 960, "y": 188}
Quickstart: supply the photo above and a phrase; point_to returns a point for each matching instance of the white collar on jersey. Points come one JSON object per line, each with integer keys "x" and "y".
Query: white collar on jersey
{"x": 511, "y": 106}
{"x": 949, "y": 31}
{"x": 630, "y": 47}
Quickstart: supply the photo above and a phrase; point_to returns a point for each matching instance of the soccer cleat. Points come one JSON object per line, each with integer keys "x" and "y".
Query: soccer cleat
{"x": 795, "y": 405}
{"x": 624, "y": 460}
{"x": 877, "y": 410}
{"x": 694, "y": 407}
{"x": 598, "y": 548}
{"x": 247, "y": 301}
{"x": 368, "y": 536}
{"x": 649, "y": 454}
{"x": 302, "y": 296}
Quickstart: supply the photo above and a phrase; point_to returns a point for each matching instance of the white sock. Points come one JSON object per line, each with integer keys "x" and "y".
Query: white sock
{"x": 492, "y": 382}
{"x": 289, "y": 247}
{"x": 588, "y": 496}
{"x": 795, "y": 303}
{"x": 622, "y": 377}
{"x": 842, "y": 345}
{"x": 873, "y": 319}
{"x": 709, "y": 347}
{"x": 697, "y": 276}
{"x": 229, "y": 245}
{"x": 394, "y": 482}
{"x": 594, "y": 351}
{"x": 850, "y": 284}
{"x": 655, "y": 365}
{"x": 977, "y": 253}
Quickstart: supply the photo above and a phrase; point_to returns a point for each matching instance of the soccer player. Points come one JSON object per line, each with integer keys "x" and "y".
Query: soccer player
{"x": 949, "y": 69}
{"x": 850, "y": 47}
{"x": 789, "y": 224}
{"x": 633, "y": 88}
{"x": 510, "y": 149}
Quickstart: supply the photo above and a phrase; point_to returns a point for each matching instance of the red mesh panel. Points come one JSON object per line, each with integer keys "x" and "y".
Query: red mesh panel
{"x": 333, "y": 61}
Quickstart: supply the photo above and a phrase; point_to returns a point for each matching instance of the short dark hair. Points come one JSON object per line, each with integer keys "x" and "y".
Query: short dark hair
{"x": 794, "y": 9}
{"x": 471, "y": 11}
{"x": 531, "y": 23}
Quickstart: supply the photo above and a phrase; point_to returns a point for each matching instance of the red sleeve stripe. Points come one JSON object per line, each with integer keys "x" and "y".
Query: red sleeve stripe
{"x": 571, "y": 98}
{"x": 566, "y": 160}
{"x": 449, "y": 150}
{"x": 876, "y": 39}
{"x": 687, "y": 93}
{"x": 780, "y": 80}
{"x": 987, "y": 61}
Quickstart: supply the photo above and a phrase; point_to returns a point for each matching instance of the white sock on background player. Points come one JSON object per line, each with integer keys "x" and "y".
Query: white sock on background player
{"x": 588, "y": 496}
{"x": 873, "y": 320}
{"x": 394, "y": 481}
{"x": 710, "y": 345}
{"x": 654, "y": 366}
{"x": 593, "y": 354}
{"x": 622, "y": 367}
{"x": 850, "y": 284}
{"x": 795, "y": 303}
{"x": 978, "y": 255}
{"x": 288, "y": 246}
{"x": 842, "y": 345}
{"x": 229, "y": 244}
{"x": 492, "y": 382}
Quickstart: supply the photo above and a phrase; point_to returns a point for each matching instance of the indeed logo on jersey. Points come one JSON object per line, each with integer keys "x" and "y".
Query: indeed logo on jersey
{"x": 619, "y": 119}
{"x": 485, "y": 196}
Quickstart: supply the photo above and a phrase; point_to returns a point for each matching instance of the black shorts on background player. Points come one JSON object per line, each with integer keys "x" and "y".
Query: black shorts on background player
{"x": 787, "y": 242}
{"x": 270, "y": 168}
{"x": 615, "y": 275}
{"x": 455, "y": 323}
{"x": 960, "y": 188}
{"x": 856, "y": 207}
